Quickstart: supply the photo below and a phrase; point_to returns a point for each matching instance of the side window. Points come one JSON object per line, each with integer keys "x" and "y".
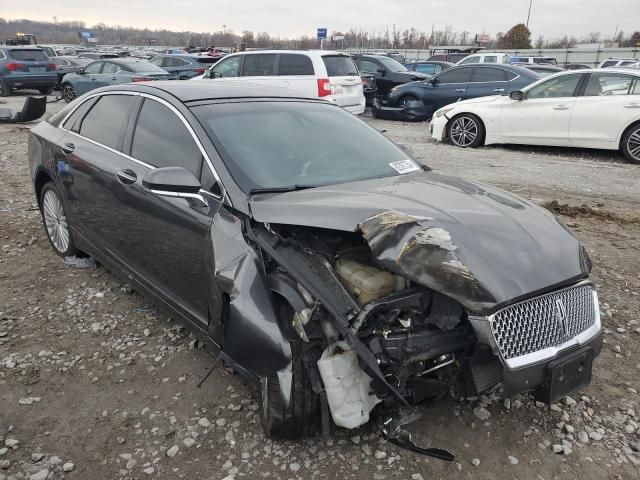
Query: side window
{"x": 368, "y": 66}
{"x": 558, "y": 87}
{"x": 510, "y": 75}
{"x": 455, "y": 75}
{"x": 162, "y": 140}
{"x": 208, "y": 181}
{"x": 157, "y": 61}
{"x": 292, "y": 64}
{"x": 490, "y": 59}
{"x": 636, "y": 87}
{"x": 470, "y": 59}
{"x": 75, "y": 120}
{"x": 226, "y": 68}
{"x": 260, "y": 65}
{"x": 105, "y": 120}
{"x": 93, "y": 68}
{"x": 110, "y": 68}
{"x": 608, "y": 63}
{"x": 608, "y": 84}
{"x": 428, "y": 69}
{"x": 488, "y": 75}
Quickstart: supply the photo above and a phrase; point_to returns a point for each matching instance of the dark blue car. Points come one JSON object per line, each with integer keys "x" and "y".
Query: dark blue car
{"x": 26, "y": 67}
{"x": 184, "y": 66}
{"x": 418, "y": 100}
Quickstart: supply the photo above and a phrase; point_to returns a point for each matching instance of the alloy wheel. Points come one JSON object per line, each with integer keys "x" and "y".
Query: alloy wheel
{"x": 633, "y": 145}
{"x": 68, "y": 93}
{"x": 56, "y": 221}
{"x": 464, "y": 131}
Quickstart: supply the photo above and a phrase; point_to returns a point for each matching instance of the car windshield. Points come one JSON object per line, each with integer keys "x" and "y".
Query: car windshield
{"x": 143, "y": 67}
{"x": 392, "y": 64}
{"x": 286, "y": 145}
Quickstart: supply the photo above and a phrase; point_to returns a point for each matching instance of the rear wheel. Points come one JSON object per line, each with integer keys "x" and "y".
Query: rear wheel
{"x": 302, "y": 417}
{"x": 68, "y": 92}
{"x": 45, "y": 90}
{"x": 630, "y": 144}
{"x": 55, "y": 221}
{"x": 466, "y": 131}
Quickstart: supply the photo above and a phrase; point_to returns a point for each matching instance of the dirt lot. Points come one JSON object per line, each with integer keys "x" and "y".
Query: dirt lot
{"x": 97, "y": 383}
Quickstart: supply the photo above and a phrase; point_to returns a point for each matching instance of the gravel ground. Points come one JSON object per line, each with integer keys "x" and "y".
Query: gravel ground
{"x": 97, "y": 383}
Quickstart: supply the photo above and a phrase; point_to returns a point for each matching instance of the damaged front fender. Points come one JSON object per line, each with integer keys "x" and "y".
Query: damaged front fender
{"x": 414, "y": 111}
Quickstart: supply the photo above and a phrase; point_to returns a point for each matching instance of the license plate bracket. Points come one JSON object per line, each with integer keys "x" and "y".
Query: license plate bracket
{"x": 566, "y": 375}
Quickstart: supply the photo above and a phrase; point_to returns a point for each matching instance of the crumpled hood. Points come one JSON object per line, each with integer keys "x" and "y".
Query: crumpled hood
{"x": 476, "y": 243}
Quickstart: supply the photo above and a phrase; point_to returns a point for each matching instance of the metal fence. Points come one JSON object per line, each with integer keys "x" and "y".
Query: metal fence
{"x": 562, "y": 55}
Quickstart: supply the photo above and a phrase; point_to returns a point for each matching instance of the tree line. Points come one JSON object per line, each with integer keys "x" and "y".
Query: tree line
{"x": 518, "y": 37}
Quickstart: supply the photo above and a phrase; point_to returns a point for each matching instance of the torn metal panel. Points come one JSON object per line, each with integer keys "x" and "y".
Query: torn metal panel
{"x": 252, "y": 336}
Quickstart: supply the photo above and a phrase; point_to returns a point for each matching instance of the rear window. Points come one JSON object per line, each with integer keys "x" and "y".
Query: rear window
{"x": 339, "y": 66}
{"x": 293, "y": 64}
{"x": 608, "y": 63}
{"x": 207, "y": 59}
{"x": 28, "y": 55}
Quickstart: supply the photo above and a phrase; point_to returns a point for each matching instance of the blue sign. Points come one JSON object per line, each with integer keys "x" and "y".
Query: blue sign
{"x": 86, "y": 35}
{"x": 322, "y": 33}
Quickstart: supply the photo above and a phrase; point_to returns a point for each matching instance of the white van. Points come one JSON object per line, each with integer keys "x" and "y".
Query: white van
{"x": 323, "y": 74}
{"x": 486, "y": 57}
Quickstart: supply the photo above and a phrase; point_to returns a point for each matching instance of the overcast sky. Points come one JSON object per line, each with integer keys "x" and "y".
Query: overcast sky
{"x": 551, "y": 18}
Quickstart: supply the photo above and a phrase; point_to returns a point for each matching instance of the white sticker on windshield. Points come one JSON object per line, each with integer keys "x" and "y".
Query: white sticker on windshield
{"x": 404, "y": 166}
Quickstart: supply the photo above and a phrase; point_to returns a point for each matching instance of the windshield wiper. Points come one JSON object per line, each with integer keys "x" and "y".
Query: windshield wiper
{"x": 289, "y": 188}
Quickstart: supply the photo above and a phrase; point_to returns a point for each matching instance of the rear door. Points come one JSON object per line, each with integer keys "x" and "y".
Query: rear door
{"x": 607, "y": 104}
{"x": 346, "y": 84}
{"x": 261, "y": 68}
{"x": 295, "y": 72}
{"x": 487, "y": 81}
{"x": 448, "y": 87}
{"x": 109, "y": 75}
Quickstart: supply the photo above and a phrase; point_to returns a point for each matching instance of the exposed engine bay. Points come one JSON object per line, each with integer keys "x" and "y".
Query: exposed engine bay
{"x": 419, "y": 340}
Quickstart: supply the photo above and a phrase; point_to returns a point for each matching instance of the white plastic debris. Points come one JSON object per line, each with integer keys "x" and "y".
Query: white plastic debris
{"x": 85, "y": 262}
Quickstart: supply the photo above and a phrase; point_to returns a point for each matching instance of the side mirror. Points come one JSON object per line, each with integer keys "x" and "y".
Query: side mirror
{"x": 175, "y": 182}
{"x": 382, "y": 72}
{"x": 516, "y": 95}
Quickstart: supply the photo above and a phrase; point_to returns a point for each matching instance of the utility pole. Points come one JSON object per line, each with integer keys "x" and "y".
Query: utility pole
{"x": 529, "y": 14}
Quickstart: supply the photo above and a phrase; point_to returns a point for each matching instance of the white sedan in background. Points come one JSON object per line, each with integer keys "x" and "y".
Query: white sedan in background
{"x": 597, "y": 108}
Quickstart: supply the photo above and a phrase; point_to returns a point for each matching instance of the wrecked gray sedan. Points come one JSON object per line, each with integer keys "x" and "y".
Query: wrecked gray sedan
{"x": 316, "y": 255}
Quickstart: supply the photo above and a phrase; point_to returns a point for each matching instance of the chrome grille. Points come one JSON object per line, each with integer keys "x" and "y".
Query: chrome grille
{"x": 543, "y": 322}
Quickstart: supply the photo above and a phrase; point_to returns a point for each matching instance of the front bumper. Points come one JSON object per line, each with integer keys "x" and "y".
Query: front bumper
{"x": 438, "y": 128}
{"x": 31, "y": 81}
{"x": 415, "y": 111}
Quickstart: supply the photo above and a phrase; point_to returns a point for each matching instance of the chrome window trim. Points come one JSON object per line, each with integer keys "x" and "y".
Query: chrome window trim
{"x": 549, "y": 353}
{"x": 222, "y": 197}
{"x": 198, "y": 143}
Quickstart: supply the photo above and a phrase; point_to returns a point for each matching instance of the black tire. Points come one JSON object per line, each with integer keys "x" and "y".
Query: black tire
{"x": 45, "y": 90}
{"x": 302, "y": 417}
{"x": 630, "y": 143}
{"x": 466, "y": 131}
{"x": 5, "y": 91}
{"x": 68, "y": 92}
{"x": 69, "y": 248}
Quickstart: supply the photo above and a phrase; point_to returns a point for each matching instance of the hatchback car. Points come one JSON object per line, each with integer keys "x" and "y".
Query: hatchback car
{"x": 184, "y": 66}
{"x": 595, "y": 108}
{"x": 418, "y": 100}
{"x": 315, "y": 254}
{"x": 325, "y": 74}
{"x": 26, "y": 67}
{"x": 110, "y": 72}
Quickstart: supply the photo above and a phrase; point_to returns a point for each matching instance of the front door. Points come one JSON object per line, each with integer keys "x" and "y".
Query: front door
{"x": 88, "y": 78}
{"x": 543, "y": 117}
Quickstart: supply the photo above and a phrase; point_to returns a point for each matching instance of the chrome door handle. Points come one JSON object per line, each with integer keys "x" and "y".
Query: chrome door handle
{"x": 561, "y": 107}
{"x": 632, "y": 105}
{"x": 498, "y": 89}
{"x": 127, "y": 176}
{"x": 68, "y": 147}
{"x": 460, "y": 90}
